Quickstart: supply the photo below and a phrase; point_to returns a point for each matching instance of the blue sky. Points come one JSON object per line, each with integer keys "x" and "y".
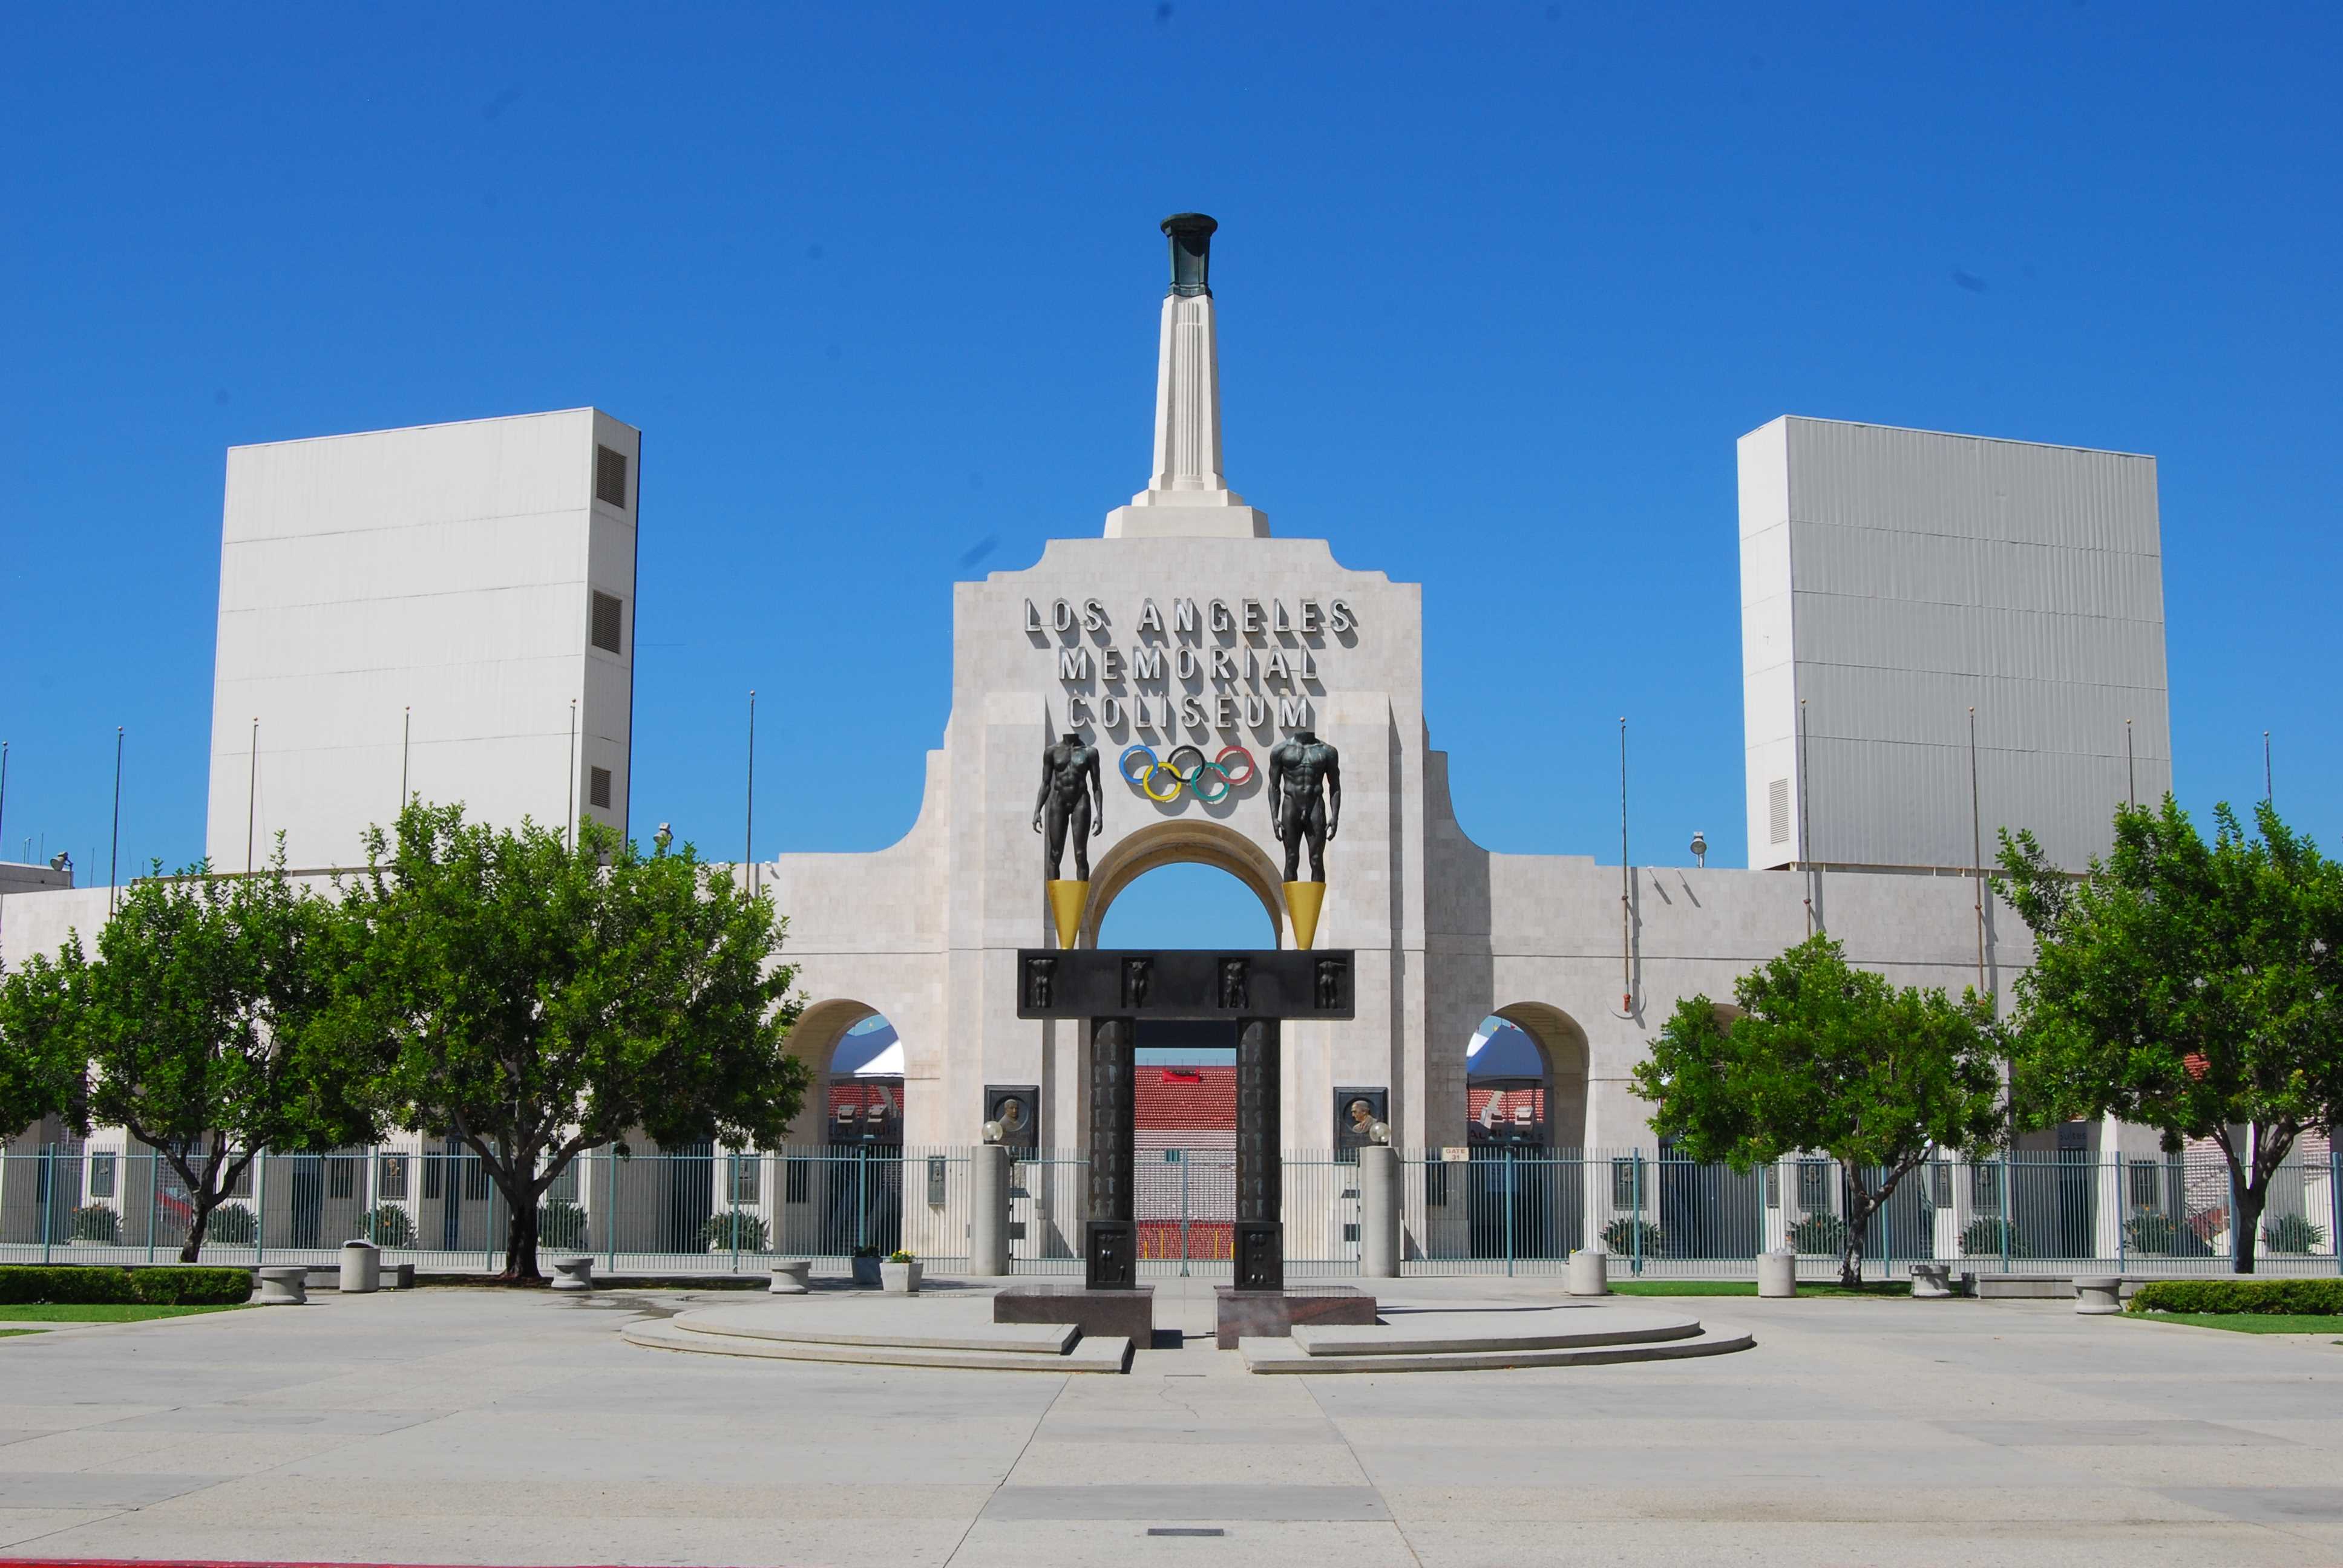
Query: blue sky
{"x": 1499, "y": 288}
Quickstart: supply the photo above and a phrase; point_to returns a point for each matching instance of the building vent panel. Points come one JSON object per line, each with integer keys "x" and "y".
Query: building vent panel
{"x": 609, "y": 613}
{"x": 610, "y": 477}
{"x": 597, "y": 787}
{"x": 1777, "y": 809}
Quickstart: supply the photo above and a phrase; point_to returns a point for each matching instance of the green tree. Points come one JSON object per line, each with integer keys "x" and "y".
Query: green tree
{"x": 536, "y": 997}
{"x": 40, "y": 1075}
{"x": 2194, "y": 987}
{"x": 204, "y": 1020}
{"x": 1830, "y": 1060}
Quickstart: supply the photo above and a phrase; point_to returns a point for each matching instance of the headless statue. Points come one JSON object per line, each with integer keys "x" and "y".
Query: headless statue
{"x": 1070, "y": 802}
{"x": 1305, "y": 798}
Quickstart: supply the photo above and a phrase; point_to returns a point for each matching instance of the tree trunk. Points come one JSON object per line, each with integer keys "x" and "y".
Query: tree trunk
{"x": 196, "y": 1227}
{"x": 2246, "y": 1223}
{"x": 520, "y": 1241}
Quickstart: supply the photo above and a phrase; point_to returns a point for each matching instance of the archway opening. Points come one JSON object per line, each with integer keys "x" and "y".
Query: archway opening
{"x": 1525, "y": 1101}
{"x": 1184, "y": 1087}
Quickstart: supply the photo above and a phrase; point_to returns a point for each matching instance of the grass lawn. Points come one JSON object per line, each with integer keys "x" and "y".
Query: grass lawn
{"x": 1870, "y": 1289}
{"x": 2251, "y": 1323}
{"x": 96, "y": 1313}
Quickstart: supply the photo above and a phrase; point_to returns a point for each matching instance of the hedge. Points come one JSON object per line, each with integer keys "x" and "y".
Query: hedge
{"x": 81, "y": 1284}
{"x": 2310, "y": 1297}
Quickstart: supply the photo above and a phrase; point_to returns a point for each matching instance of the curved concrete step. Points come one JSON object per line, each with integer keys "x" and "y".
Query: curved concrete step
{"x": 1276, "y": 1356}
{"x": 1093, "y": 1355}
{"x": 755, "y": 1324}
{"x": 1448, "y": 1338}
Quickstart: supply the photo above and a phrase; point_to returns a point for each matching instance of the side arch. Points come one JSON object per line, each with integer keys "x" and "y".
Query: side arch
{"x": 1561, "y": 1042}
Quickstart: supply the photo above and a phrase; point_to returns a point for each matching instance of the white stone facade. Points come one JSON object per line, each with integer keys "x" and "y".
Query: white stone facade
{"x": 420, "y": 605}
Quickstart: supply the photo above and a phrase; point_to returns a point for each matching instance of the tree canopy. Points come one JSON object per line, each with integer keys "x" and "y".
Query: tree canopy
{"x": 535, "y": 994}
{"x": 2194, "y": 987}
{"x": 204, "y": 1022}
{"x": 1826, "y": 1059}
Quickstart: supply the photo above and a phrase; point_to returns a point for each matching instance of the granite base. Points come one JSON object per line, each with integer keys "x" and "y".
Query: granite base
{"x": 1272, "y": 1314}
{"x": 1131, "y": 1314}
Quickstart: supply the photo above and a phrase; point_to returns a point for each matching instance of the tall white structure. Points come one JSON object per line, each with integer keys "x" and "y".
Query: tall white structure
{"x": 448, "y": 607}
{"x": 1891, "y": 580}
{"x": 1188, "y": 495}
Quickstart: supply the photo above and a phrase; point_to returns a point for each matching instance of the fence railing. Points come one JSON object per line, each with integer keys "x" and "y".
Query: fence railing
{"x": 1512, "y": 1208}
{"x": 1508, "y": 1209}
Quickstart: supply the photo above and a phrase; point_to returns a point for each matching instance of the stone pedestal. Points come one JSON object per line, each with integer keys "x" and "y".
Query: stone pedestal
{"x": 1128, "y": 1312}
{"x": 987, "y": 1227}
{"x": 574, "y": 1274}
{"x": 1272, "y": 1314}
{"x": 284, "y": 1287}
{"x": 1379, "y": 1195}
{"x": 1932, "y": 1281}
{"x": 791, "y": 1277}
{"x": 2097, "y": 1295}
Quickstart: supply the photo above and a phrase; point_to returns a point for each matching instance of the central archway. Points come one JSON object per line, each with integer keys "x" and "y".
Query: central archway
{"x": 1170, "y": 843}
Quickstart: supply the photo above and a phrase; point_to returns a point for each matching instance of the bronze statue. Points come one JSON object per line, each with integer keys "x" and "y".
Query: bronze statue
{"x": 1071, "y": 799}
{"x": 1305, "y": 798}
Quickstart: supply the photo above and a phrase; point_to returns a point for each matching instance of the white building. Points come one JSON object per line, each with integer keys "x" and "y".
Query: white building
{"x": 446, "y": 610}
{"x": 1891, "y": 581}
{"x": 467, "y": 575}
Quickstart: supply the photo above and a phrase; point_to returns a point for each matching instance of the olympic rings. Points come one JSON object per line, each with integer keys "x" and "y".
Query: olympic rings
{"x": 1186, "y": 769}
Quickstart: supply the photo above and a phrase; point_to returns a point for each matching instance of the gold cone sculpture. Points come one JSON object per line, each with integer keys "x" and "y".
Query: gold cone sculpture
{"x": 1066, "y": 902}
{"x": 1303, "y": 901}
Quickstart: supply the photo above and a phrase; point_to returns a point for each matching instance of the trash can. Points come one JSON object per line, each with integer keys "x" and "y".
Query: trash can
{"x": 1590, "y": 1271}
{"x": 1777, "y": 1272}
{"x": 361, "y": 1268}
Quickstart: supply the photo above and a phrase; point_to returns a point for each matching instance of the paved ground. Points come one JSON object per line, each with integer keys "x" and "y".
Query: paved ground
{"x": 468, "y": 1426}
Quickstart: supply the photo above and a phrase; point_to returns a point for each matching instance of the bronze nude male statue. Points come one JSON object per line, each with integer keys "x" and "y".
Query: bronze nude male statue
{"x": 1071, "y": 799}
{"x": 1305, "y": 798}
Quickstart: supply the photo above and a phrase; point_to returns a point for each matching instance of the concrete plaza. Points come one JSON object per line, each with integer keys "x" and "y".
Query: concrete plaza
{"x": 474, "y": 1426}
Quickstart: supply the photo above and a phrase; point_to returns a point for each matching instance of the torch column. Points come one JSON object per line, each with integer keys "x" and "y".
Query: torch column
{"x": 1110, "y": 1236}
{"x": 1260, "y": 1226}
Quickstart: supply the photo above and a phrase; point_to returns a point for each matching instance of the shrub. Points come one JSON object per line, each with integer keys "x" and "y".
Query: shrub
{"x": 561, "y": 1225}
{"x": 388, "y": 1225}
{"x": 1820, "y": 1232}
{"x": 67, "y": 1283}
{"x": 233, "y": 1225}
{"x": 2163, "y": 1235}
{"x": 2307, "y": 1297}
{"x": 2287, "y": 1234}
{"x": 1624, "y": 1234}
{"x": 1983, "y": 1237}
{"x": 192, "y": 1286}
{"x": 736, "y": 1230}
{"x": 96, "y": 1222}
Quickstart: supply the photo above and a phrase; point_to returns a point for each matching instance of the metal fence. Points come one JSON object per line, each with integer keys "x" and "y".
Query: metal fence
{"x": 1519, "y": 1209}
{"x": 698, "y": 1211}
{"x": 1505, "y": 1210}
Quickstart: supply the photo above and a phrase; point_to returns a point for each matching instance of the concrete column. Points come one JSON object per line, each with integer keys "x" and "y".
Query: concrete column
{"x": 987, "y": 1246}
{"x": 1379, "y": 1194}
